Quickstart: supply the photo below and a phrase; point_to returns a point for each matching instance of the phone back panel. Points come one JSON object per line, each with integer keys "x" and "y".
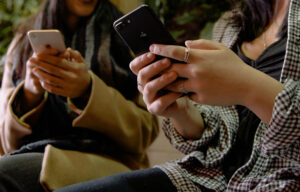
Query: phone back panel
{"x": 42, "y": 39}
{"x": 140, "y": 28}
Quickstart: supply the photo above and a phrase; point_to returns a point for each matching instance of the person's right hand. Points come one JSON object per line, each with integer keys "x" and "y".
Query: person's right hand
{"x": 151, "y": 82}
{"x": 152, "y": 79}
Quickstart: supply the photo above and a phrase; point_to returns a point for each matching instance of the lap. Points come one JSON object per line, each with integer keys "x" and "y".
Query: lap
{"x": 147, "y": 180}
{"x": 21, "y": 172}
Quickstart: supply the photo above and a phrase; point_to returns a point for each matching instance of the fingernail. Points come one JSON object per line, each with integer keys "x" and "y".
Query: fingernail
{"x": 188, "y": 43}
{"x": 165, "y": 61}
{"x": 152, "y": 48}
{"x": 149, "y": 55}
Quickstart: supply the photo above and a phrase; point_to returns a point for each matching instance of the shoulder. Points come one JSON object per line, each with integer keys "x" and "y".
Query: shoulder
{"x": 224, "y": 30}
{"x": 222, "y": 23}
{"x": 12, "y": 47}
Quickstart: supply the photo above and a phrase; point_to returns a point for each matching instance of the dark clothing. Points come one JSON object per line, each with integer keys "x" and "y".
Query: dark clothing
{"x": 25, "y": 175}
{"x": 270, "y": 62}
{"x": 147, "y": 180}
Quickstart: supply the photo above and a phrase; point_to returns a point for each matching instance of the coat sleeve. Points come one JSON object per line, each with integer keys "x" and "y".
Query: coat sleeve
{"x": 11, "y": 129}
{"x": 282, "y": 135}
{"x": 221, "y": 124}
{"x": 126, "y": 122}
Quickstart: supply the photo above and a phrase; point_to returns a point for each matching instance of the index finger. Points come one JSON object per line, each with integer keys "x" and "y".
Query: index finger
{"x": 53, "y": 60}
{"x": 176, "y": 52}
{"x": 75, "y": 55}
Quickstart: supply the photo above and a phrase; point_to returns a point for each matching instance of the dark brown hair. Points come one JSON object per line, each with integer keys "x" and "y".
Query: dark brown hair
{"x": 253, "y": 16}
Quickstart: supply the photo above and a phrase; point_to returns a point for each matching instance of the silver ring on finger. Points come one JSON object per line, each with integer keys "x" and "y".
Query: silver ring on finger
{"x": 186, "y": 54}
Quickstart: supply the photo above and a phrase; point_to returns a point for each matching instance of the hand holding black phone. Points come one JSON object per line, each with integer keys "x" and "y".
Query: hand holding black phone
{"x": 141, "y": 28}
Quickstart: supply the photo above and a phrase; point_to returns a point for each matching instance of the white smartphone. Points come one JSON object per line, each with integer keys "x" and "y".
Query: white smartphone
{"x": 40, "y": 40}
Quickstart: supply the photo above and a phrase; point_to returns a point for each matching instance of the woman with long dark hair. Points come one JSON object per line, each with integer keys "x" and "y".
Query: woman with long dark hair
{"x": 62, "y": 114}
{"x": 234, "y": 110}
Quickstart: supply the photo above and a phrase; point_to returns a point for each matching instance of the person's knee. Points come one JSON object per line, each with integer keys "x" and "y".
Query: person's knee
{"x": 20, "y": 173}
{"x": 8, "y": 184}
{"x": 14, "y": 163}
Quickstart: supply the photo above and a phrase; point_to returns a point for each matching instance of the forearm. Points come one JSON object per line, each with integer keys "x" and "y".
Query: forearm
{"x": 261, "y": 93}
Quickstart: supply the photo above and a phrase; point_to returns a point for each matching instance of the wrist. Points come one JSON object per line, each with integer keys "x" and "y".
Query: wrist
{"x": 188, "y": 122}
{"x": 260, "y": 95}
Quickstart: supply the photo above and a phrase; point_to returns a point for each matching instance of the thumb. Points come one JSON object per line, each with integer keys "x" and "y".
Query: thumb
{"x": 74, "y": 55}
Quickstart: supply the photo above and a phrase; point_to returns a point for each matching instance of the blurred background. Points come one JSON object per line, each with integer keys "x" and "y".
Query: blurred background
{"x": 185, "y": 19}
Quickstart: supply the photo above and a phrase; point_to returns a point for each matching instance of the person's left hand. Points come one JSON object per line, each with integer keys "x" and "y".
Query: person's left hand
{"x": 65, "y": 74}
{"x": 214, "y": 74}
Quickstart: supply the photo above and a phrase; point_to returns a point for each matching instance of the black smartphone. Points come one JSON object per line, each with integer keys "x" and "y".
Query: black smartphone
{"x": 140, "y": 28}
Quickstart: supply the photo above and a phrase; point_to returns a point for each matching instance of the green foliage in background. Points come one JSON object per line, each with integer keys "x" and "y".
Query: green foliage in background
{"x": 12, "y": 12}
{"x": 189, "y": 19}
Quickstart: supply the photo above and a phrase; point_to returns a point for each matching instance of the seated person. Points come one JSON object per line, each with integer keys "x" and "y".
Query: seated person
{"x": 81, "y": 103}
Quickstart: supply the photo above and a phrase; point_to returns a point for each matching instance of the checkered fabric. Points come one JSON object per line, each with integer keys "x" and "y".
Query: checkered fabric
{"x": 275, "y": 161}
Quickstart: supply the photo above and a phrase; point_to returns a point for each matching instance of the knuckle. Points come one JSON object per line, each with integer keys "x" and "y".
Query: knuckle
{"x": 141, "y": 76}
{"x": 156, "y": 65}
{"x": 197, "y": 72}
{"x": 159, "y": 106}
{"x": 152, "y": 110}
{"x": 147, "y": 90}
{"x": 132, "y": 66}
{"x": 163, "y": 78}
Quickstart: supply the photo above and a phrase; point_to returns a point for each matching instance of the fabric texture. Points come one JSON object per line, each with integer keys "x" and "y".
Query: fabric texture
{"x": 59, "y": 164}
{"x": 274, "y": 164}
{"x": 26, "y": 165}
{"x": 146, "y": 180}
{"x": 269, "y": 62}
